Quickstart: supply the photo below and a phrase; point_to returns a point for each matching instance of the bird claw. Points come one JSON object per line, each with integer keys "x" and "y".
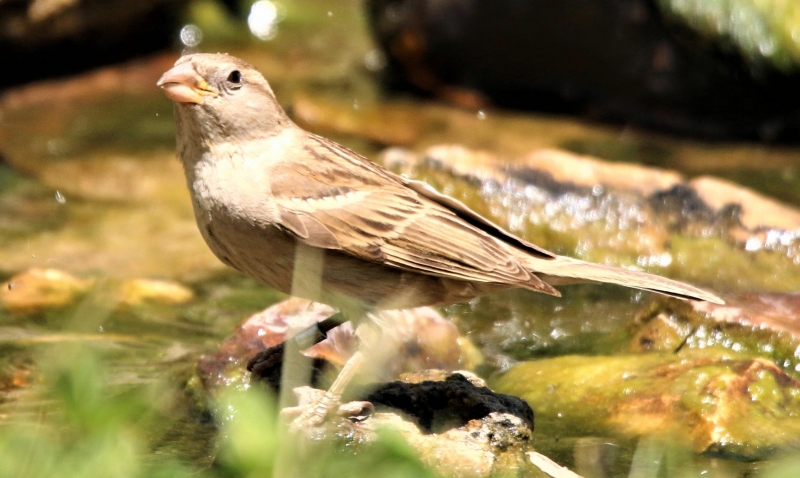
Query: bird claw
{"x": 316, "y": 406}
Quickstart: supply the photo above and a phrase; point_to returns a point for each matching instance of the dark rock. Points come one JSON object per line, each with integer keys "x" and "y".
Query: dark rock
{"x": 267, "y": 365}
{"x": 267, "y": 330}
{"x": 617, "y": 60}
{"x": 494, "y": 441}
{"x": 440, "y": 405}
{"x": 46, "y": 38}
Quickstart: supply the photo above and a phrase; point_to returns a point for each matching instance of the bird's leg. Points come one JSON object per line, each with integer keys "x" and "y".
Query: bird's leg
{"x": 369, "y": 333}
{"x": 315, "y": 414}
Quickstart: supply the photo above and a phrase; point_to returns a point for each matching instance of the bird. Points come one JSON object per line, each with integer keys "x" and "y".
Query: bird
{"x": 311, "y": 218}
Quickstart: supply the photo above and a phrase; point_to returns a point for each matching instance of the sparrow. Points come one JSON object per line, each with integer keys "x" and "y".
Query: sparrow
{"x": 311, "y": 218}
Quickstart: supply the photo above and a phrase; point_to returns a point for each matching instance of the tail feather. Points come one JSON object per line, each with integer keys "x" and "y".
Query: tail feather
{"x": 556, "y": 270}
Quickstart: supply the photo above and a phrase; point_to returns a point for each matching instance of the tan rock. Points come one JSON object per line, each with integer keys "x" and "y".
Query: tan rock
{"x": 141, "y": 291}
{"x": 757, "y": 209}
{"x": 588, "y": 172}
{"x": 40, "y": 289}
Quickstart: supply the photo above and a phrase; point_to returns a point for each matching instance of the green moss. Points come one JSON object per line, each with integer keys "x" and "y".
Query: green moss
{"x": 669, "y": 324}
{"x": 726, "y": 265}
{"x": 722, "y": 402}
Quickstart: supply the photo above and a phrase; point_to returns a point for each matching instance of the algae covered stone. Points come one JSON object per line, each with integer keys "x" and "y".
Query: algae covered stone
{"x": 717, "y": 401}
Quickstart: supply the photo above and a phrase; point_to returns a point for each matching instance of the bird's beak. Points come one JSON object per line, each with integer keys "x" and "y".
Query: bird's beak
{"x": 183, "y": 85}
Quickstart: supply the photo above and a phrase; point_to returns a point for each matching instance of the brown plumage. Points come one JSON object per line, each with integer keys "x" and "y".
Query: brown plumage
{"x": 261, "y": 187}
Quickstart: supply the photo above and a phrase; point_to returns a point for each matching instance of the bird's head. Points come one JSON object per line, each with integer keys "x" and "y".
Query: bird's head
{"x": 221, "y": 96}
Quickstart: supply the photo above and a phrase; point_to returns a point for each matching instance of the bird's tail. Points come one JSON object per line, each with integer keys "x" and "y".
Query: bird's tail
{"x": 565, "y": 270}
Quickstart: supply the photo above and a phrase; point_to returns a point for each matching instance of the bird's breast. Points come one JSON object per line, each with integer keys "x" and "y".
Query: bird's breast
{"x": 231, "y": 184}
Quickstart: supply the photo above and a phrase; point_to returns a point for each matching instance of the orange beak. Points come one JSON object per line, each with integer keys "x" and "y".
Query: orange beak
{"x": 182, "y": 84}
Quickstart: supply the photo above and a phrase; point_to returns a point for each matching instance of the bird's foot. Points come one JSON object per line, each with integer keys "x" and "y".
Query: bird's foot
{"x": 315, "y": 407}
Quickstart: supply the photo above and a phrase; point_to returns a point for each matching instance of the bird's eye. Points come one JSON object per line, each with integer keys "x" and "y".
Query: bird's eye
{"x": 235, "y": 78}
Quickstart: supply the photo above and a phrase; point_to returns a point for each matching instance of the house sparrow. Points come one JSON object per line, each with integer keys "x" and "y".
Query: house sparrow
{"x": 311, "y": 218}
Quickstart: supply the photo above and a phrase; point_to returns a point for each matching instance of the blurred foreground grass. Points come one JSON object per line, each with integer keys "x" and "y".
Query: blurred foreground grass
{"x": 91, "y": 427}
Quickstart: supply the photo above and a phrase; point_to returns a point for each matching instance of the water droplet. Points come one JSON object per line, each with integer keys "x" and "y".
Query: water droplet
{"x": 60, "y": 198}
{"x": 263, "y": 20}
{"x": 156, "y": 115}
{"x": 330, "y": 13}
{"x": 355, "y": 104}
{"x": 481, "y": 115}
{"x": 375, "y": 60}
{"x": 191, "y": 35}
{"x": 100, "y": 328}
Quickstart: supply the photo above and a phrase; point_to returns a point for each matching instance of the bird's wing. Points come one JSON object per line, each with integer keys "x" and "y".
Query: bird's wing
{"x": 376, "y": 216}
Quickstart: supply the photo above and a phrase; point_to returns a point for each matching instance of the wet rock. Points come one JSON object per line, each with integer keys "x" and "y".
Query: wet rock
{"x": 633, "y": 61}
{"x": 226, "y": 366}
{"x": 41, "y": 289}
{"x": 705, "y": 231}
{"x": 759, "y": 324}
{"x": 756, "y": 211}
{"x": 588, "y": 172}
{"x": 491, "y": 446}
{"x": 420, "y": 339}
{"x": 58, "y": 37}
{"x": 717, "y": 401}
{"x": 450, "y": 402}
{"x": 143, "y": 291}
{"x": 38, "y": 290}
{"x": 490, "y": 442}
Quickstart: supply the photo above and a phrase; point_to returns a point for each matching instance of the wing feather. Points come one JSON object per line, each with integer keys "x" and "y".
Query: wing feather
{"x": 373, "y": 214}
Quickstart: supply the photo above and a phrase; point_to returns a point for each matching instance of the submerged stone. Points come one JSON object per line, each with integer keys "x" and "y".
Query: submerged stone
{"x": 38, "y": 290}
{"x": 41, "y": 289}
{"x": 142, "y": 291}
{"x": 419, "y": 339}
{"x": 759, "y": 324}
{"x": 717, "y": 401}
